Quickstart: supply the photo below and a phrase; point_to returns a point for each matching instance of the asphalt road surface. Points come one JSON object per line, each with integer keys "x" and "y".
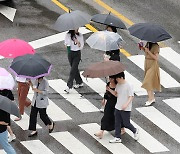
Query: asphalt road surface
{"x": 77, "y": 115}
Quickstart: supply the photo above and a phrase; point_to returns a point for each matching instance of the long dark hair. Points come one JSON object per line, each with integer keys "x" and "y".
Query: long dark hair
{"x": 113, "y": 77}
{"x": 73, "y": 34}
{"x": 149, "y": 45}
{"x": 113, "y": 28}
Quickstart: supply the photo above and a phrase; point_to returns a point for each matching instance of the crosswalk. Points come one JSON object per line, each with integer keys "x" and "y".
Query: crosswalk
{"x": 72, "y": 144}
{"x": 148, "y": 141}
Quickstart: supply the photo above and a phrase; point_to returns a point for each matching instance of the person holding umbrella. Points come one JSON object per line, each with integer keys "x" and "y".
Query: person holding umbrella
{"x": 113, "y": 54}
{"x": 108, "y": 119}
{"x": 74, "y": 43}
{"x": 39, "y": 104}
{"x": 151, "y": 80}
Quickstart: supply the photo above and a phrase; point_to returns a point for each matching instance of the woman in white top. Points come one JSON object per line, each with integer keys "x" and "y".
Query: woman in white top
{"x": 74, "y": 42}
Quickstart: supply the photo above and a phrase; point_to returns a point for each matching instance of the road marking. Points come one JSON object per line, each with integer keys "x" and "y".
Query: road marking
{"x": 8, "y": 12}
{"x": 161, "y": 121}
{"x": 110, "y": 9}
{"x": 164, "y": 77}
{"x": 123, "y": 51}
{"x": 178, "y": 41}
{"x": 172, "y": 56}
{"x": 53, "y": 111}
{"x": 152, "y": 145}
{"x": 24, "y": 122}
{"x": 113, "y": 148}
{"x": 53, "y": 39}
{"x": 74, "y": 97}
{"x": 71, "y": 143}
{"x": 100, "y": 87}
{"x": 173, "y": 103}
{"x": 36, "y": 147}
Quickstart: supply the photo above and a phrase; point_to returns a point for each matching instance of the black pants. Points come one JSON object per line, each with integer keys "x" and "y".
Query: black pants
{"x": 74, "y": 58}
{"x": 122, "y": 117}
{"x": 33, "y": 117}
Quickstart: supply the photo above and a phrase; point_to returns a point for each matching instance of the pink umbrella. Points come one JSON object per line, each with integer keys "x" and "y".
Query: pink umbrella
{"x": 12, "y": 48}
{"x": 6, "y": 80}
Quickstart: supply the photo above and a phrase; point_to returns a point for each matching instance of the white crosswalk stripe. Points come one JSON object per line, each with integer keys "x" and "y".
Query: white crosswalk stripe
{"x": 170, "y": 55}
{"x": 152, "y": 145}
{"x": 114, "y": 148}
{"x": 173, "y": 103}
{"x": 24, "y": 122}
{"x": 161, "y": 121}
{"x": 164, "y": 77}
{"x": 36, "y": 147}
{"x": 8, "y": 12}
{"x": 54, "y": 39}
{"x": 71, "y": 143}
{"x": 74, "y": 98}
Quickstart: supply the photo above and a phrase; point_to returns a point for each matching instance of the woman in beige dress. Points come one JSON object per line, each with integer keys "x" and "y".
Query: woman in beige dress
{"x": 152, "y": 74}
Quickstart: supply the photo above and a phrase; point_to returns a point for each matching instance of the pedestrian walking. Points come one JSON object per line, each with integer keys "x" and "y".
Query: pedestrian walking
{"x": 4, "y": 122}
{"x": 151, "y": 80}
{"x": 23, "y": 89}
{"x": 39, "y": 104}
{"x": 74, "y": 42}
{"x": 123, "y": 107}
{"x": 108, "y": 120}
{"x": 8, "y": 93}
{"x": 113, "y": 54}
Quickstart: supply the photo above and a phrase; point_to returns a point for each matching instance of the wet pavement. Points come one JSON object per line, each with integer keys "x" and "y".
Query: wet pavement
{"x": 34, "y": 20}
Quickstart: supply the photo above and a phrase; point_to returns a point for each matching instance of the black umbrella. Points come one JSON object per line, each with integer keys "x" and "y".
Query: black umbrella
{"x": 108, "y": 19}
{"x": 7, "y": 105}
{"x": 71, "y": 21}
{"x": 149, "y": 32}
{"x": 30, "y": 66}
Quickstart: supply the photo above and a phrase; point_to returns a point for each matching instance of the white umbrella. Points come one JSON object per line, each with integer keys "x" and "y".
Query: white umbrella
{"x": 104, "y": 40}
{"x": 6, "y": 80}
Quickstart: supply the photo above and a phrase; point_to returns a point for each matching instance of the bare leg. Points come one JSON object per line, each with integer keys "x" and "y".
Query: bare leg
{"x": 99, "y": 134}
{"x": 10, "y": 130}
{"x": 123, "y": 131}
{"x": 150, "y": 95}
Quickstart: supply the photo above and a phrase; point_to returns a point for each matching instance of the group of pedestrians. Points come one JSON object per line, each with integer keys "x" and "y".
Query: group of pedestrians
{"x": 117, "y": 101}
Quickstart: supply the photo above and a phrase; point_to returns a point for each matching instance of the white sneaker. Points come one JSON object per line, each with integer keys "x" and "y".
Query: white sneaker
{"x": 136, "y": 134}
{"x": 102, "y": 109}
{"x": 68, "y": 90}
{"x": 148, "y": 103}
{"x": 115, "y": 140}
{"x": 76, "y": 86}
{"x": 11, "y": 138}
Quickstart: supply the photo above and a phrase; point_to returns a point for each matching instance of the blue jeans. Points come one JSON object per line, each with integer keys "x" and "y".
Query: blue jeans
{"x": 4, "y": 143}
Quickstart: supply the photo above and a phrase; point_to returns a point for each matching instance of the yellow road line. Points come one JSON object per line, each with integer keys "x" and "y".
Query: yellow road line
{"x": 110, "y": 9}
{"x": 87, "y": 25}
{"x": 123, "y": 18}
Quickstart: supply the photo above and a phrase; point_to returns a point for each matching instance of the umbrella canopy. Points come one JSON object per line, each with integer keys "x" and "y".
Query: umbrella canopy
{"x": 8, "y": 106}
{"x": 71, "y": 21}
{"x": 104, "y": 40}
{"x": 12, "y": 48}
{"x": 6, "y": 80}
{"x": 30, "y": 66}
{"x": 103, "y": 69}
{"x": 149, "y": 32}
{"x": 108, "y": 19}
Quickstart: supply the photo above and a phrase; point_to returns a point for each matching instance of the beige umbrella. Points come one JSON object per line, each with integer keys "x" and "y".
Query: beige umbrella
{"x": 103, "y": 69}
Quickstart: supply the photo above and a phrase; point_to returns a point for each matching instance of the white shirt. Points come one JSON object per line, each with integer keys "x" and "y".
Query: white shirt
{"x": 69, "y": 42}
{"x": 21, "y": 79}
{"x": 123, "y": 92}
